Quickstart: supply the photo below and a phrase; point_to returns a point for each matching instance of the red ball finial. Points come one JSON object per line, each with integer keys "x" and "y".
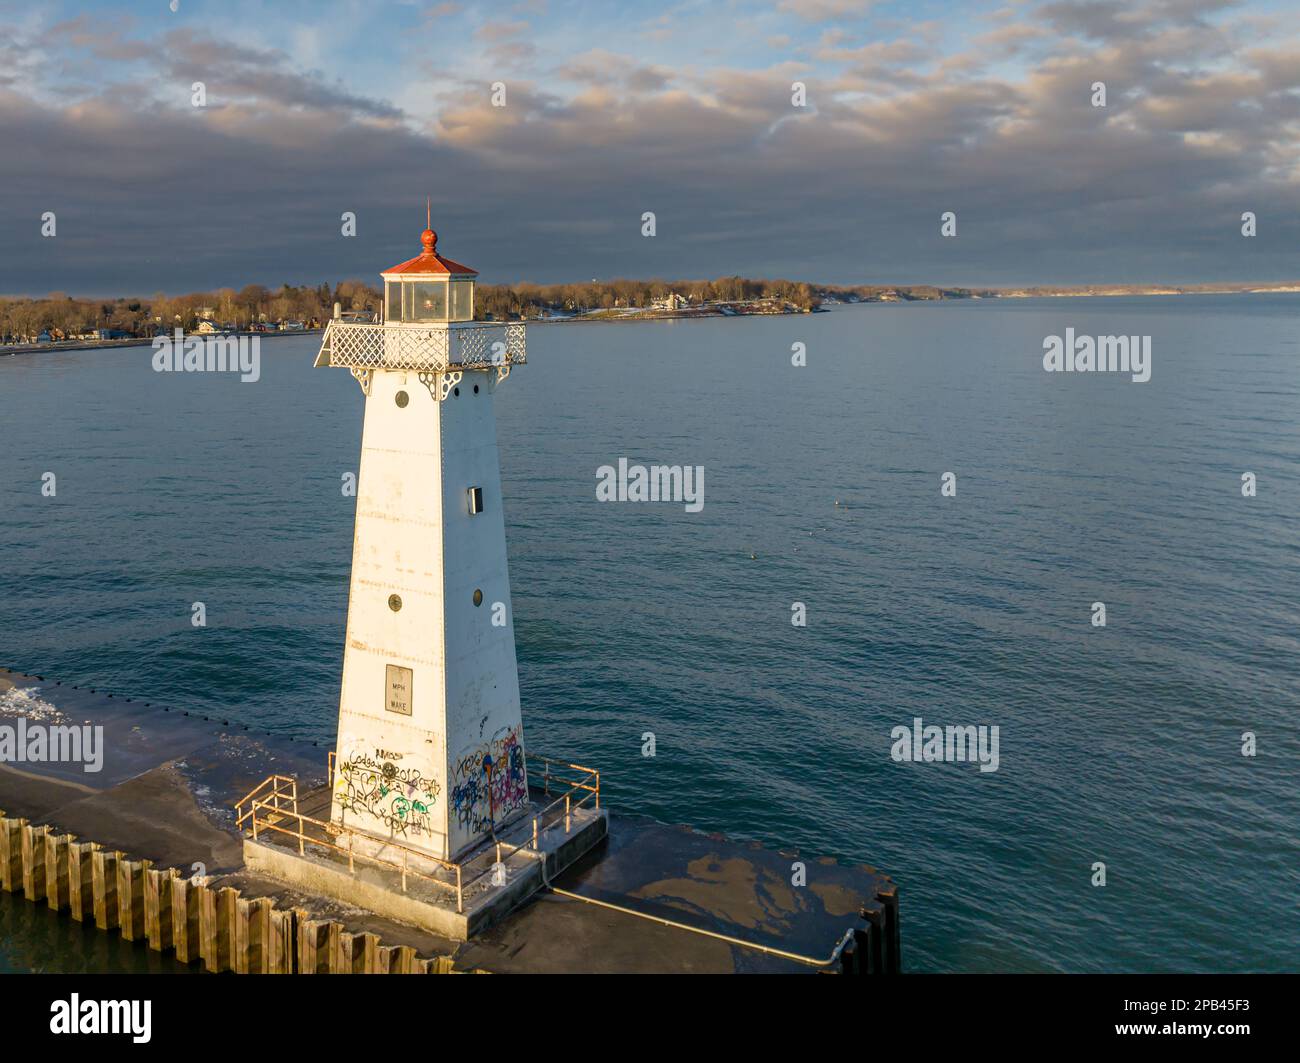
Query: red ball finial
{"x": 429, "y": 239}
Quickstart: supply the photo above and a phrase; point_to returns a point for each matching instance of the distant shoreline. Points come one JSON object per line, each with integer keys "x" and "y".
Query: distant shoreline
{"x": 634, "y": 314}
{"x": 134, "y": 341}
{"x": 1146, "y": 290}
{"x": 830, "y": 301}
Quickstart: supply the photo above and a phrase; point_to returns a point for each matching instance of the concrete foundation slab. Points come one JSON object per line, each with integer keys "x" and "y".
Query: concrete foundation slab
{"x": 414, "y": 900}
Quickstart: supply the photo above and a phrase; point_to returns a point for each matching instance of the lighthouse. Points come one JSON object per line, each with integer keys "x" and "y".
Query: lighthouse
{"x": 430, "y": 753}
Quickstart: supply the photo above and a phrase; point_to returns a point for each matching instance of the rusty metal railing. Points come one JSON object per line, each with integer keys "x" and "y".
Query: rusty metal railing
{"x": 272, "y": 806}
{"x": 327, "y": 830}
{"x": 289, "y": 793}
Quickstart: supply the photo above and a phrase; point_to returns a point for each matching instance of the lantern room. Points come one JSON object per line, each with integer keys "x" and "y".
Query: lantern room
{"x": 428, "y": 288}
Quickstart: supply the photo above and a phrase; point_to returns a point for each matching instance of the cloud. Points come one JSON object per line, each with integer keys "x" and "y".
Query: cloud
{"x": 1119, "y": 21}
{"x": 500, "y": 31}
{"x": 1202, "y": 123}
{"x": 261, "y": 75}
{"x": 599, "y": 67}
{"x": 443, "y": 10}
{"x": 825, "y": 10}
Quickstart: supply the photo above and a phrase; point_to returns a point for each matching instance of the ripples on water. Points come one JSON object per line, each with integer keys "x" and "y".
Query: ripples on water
{"x": 1119, "y": 745}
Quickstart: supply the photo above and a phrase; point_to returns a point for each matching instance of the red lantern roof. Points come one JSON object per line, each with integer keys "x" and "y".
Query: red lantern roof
{"x": 429, "y": 261}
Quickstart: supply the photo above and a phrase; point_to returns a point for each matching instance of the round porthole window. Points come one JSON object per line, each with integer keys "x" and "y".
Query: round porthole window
{"x": 475, "y": 389}
{"x": 394, "y": 602}
{"x": 456, "y": 391}
{"x": 478, "y": 597}
{"x": 401, "y": 398}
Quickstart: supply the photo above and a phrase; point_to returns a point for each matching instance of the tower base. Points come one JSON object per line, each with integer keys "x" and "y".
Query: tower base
{"x": 458, "y": 904}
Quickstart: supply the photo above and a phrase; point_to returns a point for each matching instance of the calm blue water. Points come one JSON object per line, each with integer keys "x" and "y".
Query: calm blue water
{"x": 1119, "y": 745}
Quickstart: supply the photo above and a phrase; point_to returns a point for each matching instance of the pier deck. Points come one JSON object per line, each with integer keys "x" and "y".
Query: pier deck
{"x": 165, "y": 794}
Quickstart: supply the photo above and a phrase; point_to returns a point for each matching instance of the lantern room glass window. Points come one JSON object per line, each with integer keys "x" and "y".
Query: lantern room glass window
{"x": 440, "y": 299}
{"x": 462, "y": 300}
{"x": 428, "y": 301}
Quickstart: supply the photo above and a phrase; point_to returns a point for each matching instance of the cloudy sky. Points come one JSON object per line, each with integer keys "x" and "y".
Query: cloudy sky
{"x": 914, "y": 108}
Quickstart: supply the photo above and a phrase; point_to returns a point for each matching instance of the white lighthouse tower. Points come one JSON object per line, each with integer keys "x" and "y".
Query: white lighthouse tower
{"x": 430, "y": 750}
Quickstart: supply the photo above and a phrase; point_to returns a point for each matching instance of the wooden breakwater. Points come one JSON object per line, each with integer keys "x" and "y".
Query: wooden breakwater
{"x": 877, "y": 947}
{"x": 202, "y": 924}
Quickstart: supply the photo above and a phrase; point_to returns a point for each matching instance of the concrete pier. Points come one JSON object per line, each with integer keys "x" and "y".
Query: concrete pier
{"x": 148, "y": 849}
{"x": 320, "y": 866}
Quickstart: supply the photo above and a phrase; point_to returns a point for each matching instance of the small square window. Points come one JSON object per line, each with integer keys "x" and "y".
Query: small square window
{"x": 475, "y": 500}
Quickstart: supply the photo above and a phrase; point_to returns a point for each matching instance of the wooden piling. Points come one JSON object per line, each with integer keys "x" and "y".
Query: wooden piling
{"x": 435, "y": 965}
{"x": 11, "y": 854}
{"x": 340, "y": 950}
{"x": 313, "y": 946}
{"x": 251, "y": 934}
{"x": 892, "y": 948}
{"x": 130, "y": 898}
{"x": 33, "y": 851}
{"x": 217, "y": 917}
{"x": 56, "y": 870}
{"x": 281, "y": 954}
{"x": 862, "y": 944}
{"x": 365, "y": 954}
{"x": 158, "y": 927}
{"x": 199, "y": 923}
{"x": 874, "y": 957}
{"x": 103, "y": 877}
{"x": 186, "y": 919}
{"x": 81, "y": 886}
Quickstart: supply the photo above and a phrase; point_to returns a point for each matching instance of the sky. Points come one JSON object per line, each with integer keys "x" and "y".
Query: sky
{"x": 611, "y": 110}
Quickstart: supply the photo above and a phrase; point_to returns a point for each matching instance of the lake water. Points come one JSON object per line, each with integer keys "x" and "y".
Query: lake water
{"x": 1120, "y": 745}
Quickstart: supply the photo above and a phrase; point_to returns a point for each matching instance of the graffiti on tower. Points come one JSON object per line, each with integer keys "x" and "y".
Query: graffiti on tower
{"x": 400, "y": 798}
{"x": 489, "y": 783}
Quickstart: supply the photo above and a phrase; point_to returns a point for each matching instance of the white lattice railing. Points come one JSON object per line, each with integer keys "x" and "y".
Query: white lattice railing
{"x": 439, "y": 350}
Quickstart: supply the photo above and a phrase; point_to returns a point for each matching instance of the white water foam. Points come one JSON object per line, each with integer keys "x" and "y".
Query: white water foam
{"x": 16, "y": 702}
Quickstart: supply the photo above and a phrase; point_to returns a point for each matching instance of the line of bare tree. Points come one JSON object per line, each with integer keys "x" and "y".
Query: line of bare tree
{"x": 504, "y": 302}
{"x": 62, "y": 316}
